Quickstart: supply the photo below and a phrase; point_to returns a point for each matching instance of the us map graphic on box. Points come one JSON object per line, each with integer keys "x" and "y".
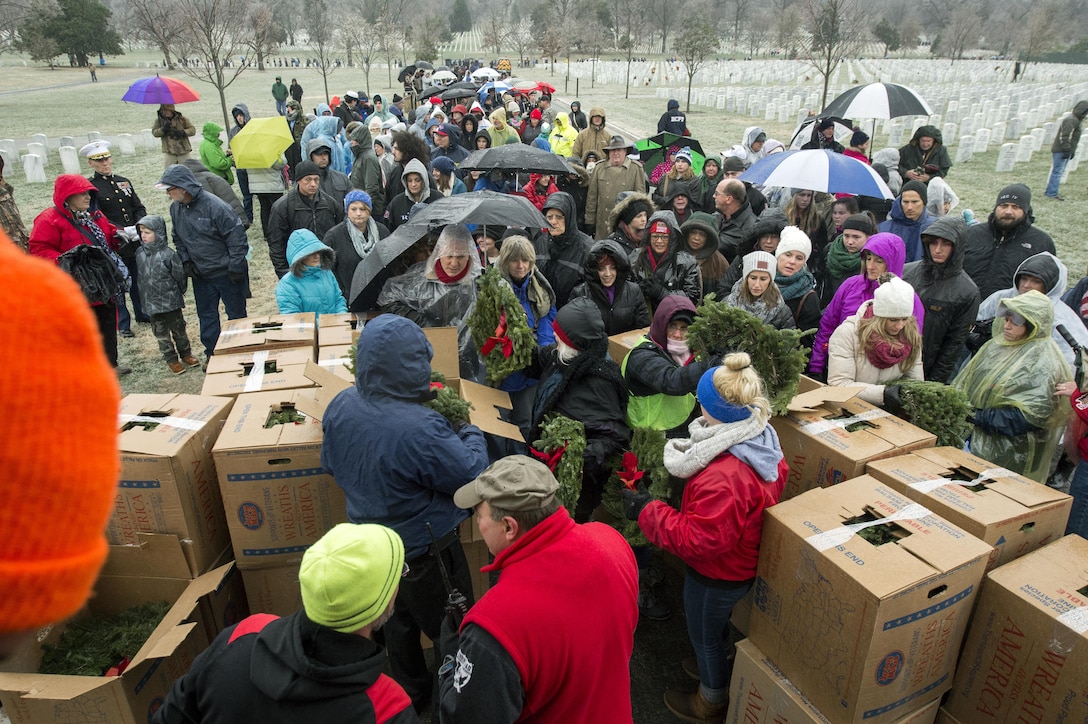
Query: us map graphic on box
{"x": 87, "y": 709}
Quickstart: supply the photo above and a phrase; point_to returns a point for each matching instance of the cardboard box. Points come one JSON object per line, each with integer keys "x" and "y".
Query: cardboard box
{"x": 486, "y": 401}
{"x": 1026, "y": 657}
{"x": 1013, "y": 513}
{"x": 274, "y": 331}
{"x": 761, "y": 694}
{"x": 273, "y": 590}
{"x": 943, "y": 717}
{"x": 620, "y": 344}
{"x": 335, "y": 359}
{"x": 168, "y": 479}
{"x": 340, "y": 319}
{"x": 336, "y": 336}
{"x": 867, "y": 631}
{"x": 820, "y": 451}
{"x": 230, "y": 375}
{"x": 279, "y": 500}
{"x": 131, "y": 698}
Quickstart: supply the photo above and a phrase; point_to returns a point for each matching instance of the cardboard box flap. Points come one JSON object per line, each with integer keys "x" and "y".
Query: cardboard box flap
{"x": 164, "y": 645}
{"x": 274, "y": 359}
{"x": 1051, "y": 579}
{"x": 51, "y": 686}
{"x": 155, "y": 555}
{"x": 1014, "y": 486}
{"x": 486, "y": 402}
{"x": 339, "y": 319}
{"x": 162, "y": 424}
{"x": 329, "y": 385}
{"x": 812, "y": 399}
{"x": 444, "y": 342}
{"x": 245, "y": 427}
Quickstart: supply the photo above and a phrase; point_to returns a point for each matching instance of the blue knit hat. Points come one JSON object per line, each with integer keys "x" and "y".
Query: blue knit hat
{"x": 443, "y": 165}
{"x": 357, "y": 195}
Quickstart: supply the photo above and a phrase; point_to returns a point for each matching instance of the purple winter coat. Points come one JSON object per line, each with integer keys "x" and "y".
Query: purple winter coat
{"x": 857, "y": 290}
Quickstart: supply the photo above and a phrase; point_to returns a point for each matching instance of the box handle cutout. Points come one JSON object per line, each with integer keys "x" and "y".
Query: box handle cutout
{"x": 280, "y": 461}
{"x": 1027, "y": 527}
{"x": 877, "y": 535}
{"x": 284, "y": 414}
{"x": 853, "y": 426}
{"x": 963, "y": 475}
{"x": 262, "y": 327}
{"x": 146, "y": 425}
{"x": 270, "y": 367}
{"x": 937, "y": 591}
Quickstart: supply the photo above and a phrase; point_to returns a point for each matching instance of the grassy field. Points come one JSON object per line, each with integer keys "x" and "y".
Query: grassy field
{"x": 63, "y": 101}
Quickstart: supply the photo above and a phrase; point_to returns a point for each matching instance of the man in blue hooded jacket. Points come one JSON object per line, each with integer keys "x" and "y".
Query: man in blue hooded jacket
{"x": 399, "y": 464}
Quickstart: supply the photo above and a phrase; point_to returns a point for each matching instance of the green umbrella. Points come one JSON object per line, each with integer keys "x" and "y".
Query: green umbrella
{"x": 652, "y": 151}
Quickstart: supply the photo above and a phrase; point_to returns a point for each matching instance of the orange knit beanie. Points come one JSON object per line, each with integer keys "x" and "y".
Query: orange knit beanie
{"x": 58, "y": 443}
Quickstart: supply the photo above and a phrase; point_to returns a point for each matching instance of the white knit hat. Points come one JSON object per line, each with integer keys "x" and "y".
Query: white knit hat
{"x": 793, "y": 239}
{"x": 759, "y": 261}
{"x": 894, "y": 299}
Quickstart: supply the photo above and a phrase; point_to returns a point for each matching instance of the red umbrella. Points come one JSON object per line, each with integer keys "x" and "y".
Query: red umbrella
{"x": 160, "y": 90}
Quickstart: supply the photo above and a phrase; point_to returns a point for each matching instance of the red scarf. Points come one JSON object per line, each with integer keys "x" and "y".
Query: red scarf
{"x": 884, "y": 354}
{"x": 446, "y": 278}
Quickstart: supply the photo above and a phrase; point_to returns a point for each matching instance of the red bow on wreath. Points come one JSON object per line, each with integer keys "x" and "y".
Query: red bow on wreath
{"x": 499, "y": 338}
{"x": 630, "y": 475}
{"x": 437, "y": 386}
{"x": 550, "y": 459}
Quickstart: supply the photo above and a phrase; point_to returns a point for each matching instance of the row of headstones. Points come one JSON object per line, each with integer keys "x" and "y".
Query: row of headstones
{"x": 37, "y": 155}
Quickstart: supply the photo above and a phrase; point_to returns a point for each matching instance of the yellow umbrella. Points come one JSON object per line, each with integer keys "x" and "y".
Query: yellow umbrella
{"x": 261, "y": 142}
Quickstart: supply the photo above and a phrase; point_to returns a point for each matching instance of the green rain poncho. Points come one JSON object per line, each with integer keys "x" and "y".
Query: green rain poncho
{"x": 212, "y": 155}
{"x": 1020, "y": 375}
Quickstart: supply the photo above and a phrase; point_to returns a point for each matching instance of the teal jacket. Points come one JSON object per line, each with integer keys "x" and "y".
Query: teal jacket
{"x": 309, "y": 288}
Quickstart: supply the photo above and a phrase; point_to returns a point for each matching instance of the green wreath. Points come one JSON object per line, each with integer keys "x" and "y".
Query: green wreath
{"x": 777, "y": 354}
{"x": 561, "y": 447}
{"x": 500, "y": 329}
{"x": 648, "y": 449}
{"x": 937, "y": 408}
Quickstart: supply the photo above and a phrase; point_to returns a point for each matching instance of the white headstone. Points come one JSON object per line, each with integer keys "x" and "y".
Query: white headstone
{"x": 982, "y": 140}
{"x": 771, "y": 112}
{"x": 93, "y": 136}
{"x": 1037, "y": 134}
{"x": 1050, "y": 130}
{"x": 69, "y": 159}
{"x": 997, "y": 132}
{"x": 966, "y": 149}
{"x": 34, "y": 168}
{"x": 9, "y": 151}
{"x": 37, "y": 149}
{"x": 124, "y": 141}
{"x": 1071, "y": 166}
{"x": 1006, "y": 157}
{"x": 967, "y": 128}
{"x": 784, "y": 114}
{"x": 150, "y": 142}
{"x": 949, "y": 134}
{"x": 916, "y": 124}
{"x": 895, "y": 138}
{"x": 1024, "y": 149}
{"x": 42, "y": 139}
{"x": 935, "y": 120}
{"x": 67, "y": 141}
{"x": 1015, "y": 128}
{"x": 721, "y": 103}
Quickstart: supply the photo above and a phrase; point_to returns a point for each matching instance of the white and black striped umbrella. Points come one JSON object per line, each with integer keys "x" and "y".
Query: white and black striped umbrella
{"x": 878, "y": 100}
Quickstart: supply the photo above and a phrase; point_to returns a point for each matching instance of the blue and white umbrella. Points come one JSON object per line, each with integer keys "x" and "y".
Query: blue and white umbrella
{"x": 499, "y": 86}
{"x": 818, "y": 170}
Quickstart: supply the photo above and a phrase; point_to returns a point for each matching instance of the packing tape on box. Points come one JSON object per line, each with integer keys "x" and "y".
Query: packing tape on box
{"x": 1077, "y": 619}
{"x": 928, "y": 486}
{"x": 818, "y": 427}
{"x": 182, "y": 422}
{"x": 251, "y": 330}
{"x": 838, "y": 536}
{"x": 255, "y": 378}
{"x": 338, "y": 362}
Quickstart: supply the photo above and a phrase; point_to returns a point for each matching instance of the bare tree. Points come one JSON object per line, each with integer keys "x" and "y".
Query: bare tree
{"x": 158, "y": 22}
{"x": 741, "y": 9}
{"x": 665, "y": 12}
{"x": 962, "y": 30}
{"x": 367, "y": 42}
{"x": 520, "y": 38}
{"x": 787, "y": 32}
{"x": 266, "y": 34}
{"x": 215, "y": 36}
{"x": 321, "y": 27}
{"x": 835, "y": 31}
{"x": 628, "y": 18}
{"x": 695, "y": 47}
{"x": 1039, "y": 38}
{"x": 493, "y": 30}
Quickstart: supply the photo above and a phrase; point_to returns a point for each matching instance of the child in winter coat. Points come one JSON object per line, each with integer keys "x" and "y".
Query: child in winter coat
{"x": 757, "y": 294}
{"x": 162, "y": 289}
{"x": 310, "y": 286}
{"x": 212, "y": 155}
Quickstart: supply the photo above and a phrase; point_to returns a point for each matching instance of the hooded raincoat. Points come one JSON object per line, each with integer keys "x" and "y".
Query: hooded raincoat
{"x": 366, "y": 171}
{"x": 676, "y": 272}
{"x": 857, "y": 289}
{"x": 593, "y": 138}
{"x": 622, "y": 306}
{"x": 400, "y": 206}
{"x": 562, "y": 136}
{"x": 212, "y": 154}
{"x": 162, "y": 276}
{"x": 207, "y": 232}
{"x": 309, "y": 288}
{"x": 751, "y": 133}
{"x": 1018, "y": 419}
{"x": 950, "y": 298}
{"x": 912, "y": 157}
{"x": 909, "y": 230}
{"x": 561, "y": 258}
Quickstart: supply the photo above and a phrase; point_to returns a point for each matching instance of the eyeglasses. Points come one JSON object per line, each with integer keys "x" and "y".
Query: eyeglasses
{"x": 405, "y": 571}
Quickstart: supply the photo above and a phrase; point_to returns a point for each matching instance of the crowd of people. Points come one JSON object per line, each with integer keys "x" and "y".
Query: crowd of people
{"x": 883, "y": 292}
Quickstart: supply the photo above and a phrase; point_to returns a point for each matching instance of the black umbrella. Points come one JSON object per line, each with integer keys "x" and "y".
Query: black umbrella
{"x": 878, "y": 100}
{"x": 431, "y": 90}
{"x": 465, "y": 84}
{"x": 423, "y": 65}
{"x": 481, "y": 208}
{"x": 516, "y": 157}
{"x": 455, "y": 93}
{"x": 407, "y": 72}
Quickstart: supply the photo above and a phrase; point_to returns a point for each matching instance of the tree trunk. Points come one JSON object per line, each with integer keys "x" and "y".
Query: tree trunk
{"x": 687, "y": 107}
{"x": 222, "y": 94}
{"x": 260, "y": 58}
{"x": 166, "y": 55}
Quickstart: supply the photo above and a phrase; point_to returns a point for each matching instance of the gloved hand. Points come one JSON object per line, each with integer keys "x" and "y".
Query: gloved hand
{"x": 892, "y": 403}
{"x": 236, "y": 277}
{"x": 190, "y": 270}
{"x": 652, "y": 289}
{"x": 449, "y": 641}
{"x": 635, "y": 500}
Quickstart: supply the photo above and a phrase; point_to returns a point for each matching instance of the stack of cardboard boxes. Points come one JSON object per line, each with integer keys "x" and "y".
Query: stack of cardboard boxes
{"x": 262, "y": 354}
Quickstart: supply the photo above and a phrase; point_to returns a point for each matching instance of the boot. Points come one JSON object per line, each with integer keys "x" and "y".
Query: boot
{"x": 651, "y": 607}
{"x": 690, "y": 667}
{"x": 693, "y": 707}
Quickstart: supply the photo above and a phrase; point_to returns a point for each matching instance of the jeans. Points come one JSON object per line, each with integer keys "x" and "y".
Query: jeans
{"x": 208, "y": 292}
{"x": 281, "y": 107}
{"x": 708, "y": 610}
{"x": 243, "y": 186}
{"x": 1056, "y": 171}
{"x": 1078, "y": 488}
{"x": 169, "y": 330}
{"x": 124, "y": 321}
